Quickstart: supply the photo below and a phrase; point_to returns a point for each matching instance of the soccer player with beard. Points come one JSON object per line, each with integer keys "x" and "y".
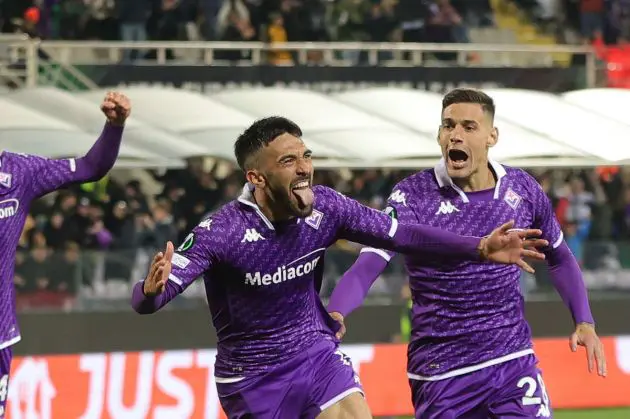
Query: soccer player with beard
{"x": 25, "y": 178}
{"x": 262, "y": 259}
{"x": 470, "y": 353}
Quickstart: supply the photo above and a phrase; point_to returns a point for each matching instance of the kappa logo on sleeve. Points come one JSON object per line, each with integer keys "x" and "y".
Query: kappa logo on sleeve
{"x": 398, "y": 197}
{"x": 205, "y": 224}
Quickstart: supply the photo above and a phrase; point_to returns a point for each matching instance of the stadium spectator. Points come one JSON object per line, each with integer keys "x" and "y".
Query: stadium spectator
{"x": 277, "y": 34}
{"x": 591, "y": 19}
{"x": 133, "y": 16}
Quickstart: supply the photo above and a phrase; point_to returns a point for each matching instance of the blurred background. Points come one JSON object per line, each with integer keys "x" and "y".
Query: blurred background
{"x": 364, "y": 78}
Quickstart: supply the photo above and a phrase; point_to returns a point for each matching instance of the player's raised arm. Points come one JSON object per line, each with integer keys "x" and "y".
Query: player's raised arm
{"x": 374, "y": 228}
{"x": 47, "y": 175}
{"x": 567, "y": 279}
{"x": 172, "y": 271}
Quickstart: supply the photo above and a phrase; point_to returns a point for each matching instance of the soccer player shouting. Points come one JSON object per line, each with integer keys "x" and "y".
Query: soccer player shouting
{"x": 262, "y": 258}
{"x": 25, "y": 178}
{"x": 470, "y": 353}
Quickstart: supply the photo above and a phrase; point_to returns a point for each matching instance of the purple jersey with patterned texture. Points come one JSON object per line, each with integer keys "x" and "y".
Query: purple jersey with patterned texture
{"x": 467, "y": 313}
{"x": 263, "y": 279}
{"x": 24, "y": 178}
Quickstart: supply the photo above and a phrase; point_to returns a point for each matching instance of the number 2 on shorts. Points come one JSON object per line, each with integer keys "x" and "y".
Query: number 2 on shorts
{"x": 530, "y": 399}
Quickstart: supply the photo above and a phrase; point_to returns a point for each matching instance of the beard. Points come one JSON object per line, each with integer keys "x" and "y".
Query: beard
{"x": 286, "y": 200}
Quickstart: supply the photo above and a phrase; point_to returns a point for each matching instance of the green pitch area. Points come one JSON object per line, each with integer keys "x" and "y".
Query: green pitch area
{"x": 593, "y": 414}
{"x": 586, "y": 414}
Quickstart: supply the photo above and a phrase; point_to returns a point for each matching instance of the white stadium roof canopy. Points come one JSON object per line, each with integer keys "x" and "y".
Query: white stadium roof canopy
{"x": 202, "y": 121}
{"x": 374, "y": 127}
{"x": 573, "y": 126}
{"x": 420, "y": 110}
{"x": 88, "y": 116}
{"x": 359, "y": 135}
{"x": 25, "y": 130}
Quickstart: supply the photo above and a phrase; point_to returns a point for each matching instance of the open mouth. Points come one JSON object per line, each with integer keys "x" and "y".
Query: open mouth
{"x": 303, "y": 193}
{"x": 458, "y": 158}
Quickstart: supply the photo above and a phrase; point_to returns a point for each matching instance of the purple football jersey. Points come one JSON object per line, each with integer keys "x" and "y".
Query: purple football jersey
{"x": 465, "y": 313}
{"x": 262, "y": 279}
{"x": 22, "y": 179}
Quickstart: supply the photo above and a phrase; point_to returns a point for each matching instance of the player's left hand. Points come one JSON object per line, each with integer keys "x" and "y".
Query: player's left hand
{"x": 116, "y": 108}
{"x": 338, "y": 317}
{"x": 510, "y": 247}
{"x": 585, "y": 335}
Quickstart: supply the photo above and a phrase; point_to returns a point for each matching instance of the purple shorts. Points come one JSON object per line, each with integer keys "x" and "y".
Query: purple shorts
{"x": 300, "y": 388}
{"x": 513, "y": 389}
{"x": 6, "y": 355}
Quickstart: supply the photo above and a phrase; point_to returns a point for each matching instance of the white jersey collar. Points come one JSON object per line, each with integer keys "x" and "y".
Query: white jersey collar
{"x": 444, "y": 180}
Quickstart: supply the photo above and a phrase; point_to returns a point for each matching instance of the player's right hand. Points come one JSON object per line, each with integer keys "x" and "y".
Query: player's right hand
{"x": 338, "y": 317}
{"x": 508, "y": 246}
{"x": 159, "y": 271}
{"x": 116, "y": 108}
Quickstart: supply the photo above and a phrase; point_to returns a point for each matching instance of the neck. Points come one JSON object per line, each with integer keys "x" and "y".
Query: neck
{"x": 267, "y": 207}
{"x": 480, "y": 180}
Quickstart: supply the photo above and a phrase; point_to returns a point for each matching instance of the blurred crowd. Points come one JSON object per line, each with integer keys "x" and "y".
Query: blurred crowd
{"x": 66, "y": 229}
{"x": 244, "y": 20}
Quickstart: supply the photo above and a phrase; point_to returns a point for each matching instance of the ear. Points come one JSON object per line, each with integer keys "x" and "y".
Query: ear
{"x": 255, "y": 178}
{"x": 494, "y": 137}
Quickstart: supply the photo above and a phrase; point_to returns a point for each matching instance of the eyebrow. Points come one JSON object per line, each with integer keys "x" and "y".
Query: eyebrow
{"x": 464, "y": 122}
{"x": 284, "y": 156}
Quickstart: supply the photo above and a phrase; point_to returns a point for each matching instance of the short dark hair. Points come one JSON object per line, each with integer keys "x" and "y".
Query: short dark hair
{"x": 259, "y": 135}
{"x": 468, "y": 95}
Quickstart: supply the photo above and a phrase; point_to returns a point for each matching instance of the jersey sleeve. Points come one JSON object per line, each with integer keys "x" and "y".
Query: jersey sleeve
{"x": 397, "y": 209}
{"x": 545, "y": 218}
{"x": 47, "y": 175}
{"x": 197, "y": 254}
{"x": 356, "y": 222}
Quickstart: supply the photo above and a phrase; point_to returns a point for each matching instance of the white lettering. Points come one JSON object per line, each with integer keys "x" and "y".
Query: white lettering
{"x": 116, "y": 388}
{"x": 8, "y": 208}
{"x": 266, "y": 279}
{"x": 281, "y": 274}
{"x": 174, "y": 386}
{"x": 96, "y": 366}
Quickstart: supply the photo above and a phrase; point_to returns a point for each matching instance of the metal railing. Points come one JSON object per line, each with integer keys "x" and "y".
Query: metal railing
{"x": 312, "y": 53}
{"x": 26, "y": 62}
{"x": 18, "y": 60}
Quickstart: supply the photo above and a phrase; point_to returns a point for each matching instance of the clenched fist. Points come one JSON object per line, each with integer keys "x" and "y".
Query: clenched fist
{"x": 116, "y": 108}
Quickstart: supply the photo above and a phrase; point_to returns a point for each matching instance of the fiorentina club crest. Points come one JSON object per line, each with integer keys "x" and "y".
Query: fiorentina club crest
{"x": 512, "y": 198}
{"x": 5, "y": 179}
{"x": 315, "y": 219}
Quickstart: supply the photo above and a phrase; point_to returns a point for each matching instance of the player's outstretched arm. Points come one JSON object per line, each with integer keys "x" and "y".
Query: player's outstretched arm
{"x": 374, "y": 228}
{"x": 566, "y": 277}
{"x": 354, "y": 285}
{"x": 156, "y": 290}
{"x": 172, "y": 271}
{"x": 48, "y": 175}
